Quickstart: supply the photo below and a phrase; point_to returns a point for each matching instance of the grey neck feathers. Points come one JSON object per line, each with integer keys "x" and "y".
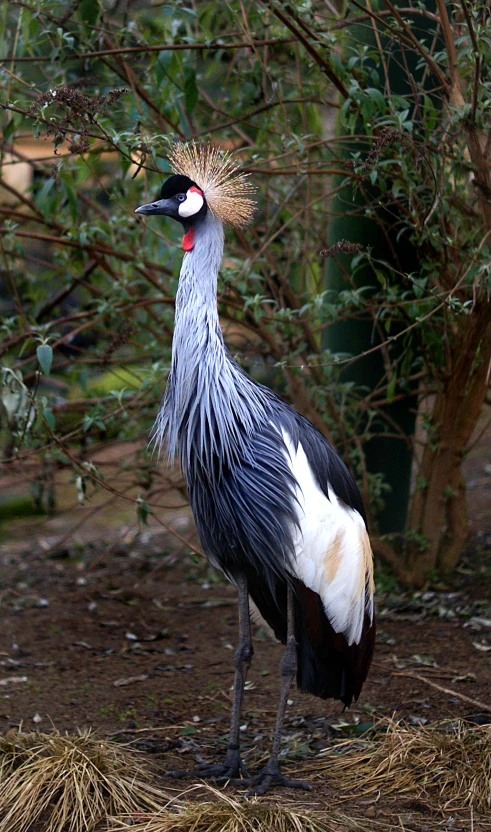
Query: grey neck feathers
{"x": 210, "y": 406}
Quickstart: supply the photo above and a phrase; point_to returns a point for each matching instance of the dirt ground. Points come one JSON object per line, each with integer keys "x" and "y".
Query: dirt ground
{"x": 132, "y": 635}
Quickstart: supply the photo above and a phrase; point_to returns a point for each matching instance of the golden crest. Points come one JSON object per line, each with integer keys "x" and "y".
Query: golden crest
{"x": 227, "y": 191}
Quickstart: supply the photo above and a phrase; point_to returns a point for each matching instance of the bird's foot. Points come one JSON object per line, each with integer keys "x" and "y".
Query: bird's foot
{"x": 270, "y": 778}
{"x": 231, "y": 769}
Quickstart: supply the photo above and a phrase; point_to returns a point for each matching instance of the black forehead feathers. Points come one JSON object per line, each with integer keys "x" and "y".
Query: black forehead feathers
{"x": 176, "y": 184}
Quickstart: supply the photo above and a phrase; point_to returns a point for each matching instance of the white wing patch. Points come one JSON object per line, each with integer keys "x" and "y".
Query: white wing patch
{"x": 332, "y": 549}
{"x": 192, "y": 204}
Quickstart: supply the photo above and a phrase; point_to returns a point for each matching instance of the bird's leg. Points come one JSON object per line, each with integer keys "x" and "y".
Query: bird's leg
{"x": 233, "y": 766}
{"x": 271, "y": 776}
{"x": 243, "y": 657}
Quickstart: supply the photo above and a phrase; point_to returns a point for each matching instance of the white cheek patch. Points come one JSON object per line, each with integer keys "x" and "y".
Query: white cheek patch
{"x": 191, "y": 205}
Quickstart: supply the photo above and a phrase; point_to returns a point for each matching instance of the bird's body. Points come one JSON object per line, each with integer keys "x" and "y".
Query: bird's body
{"x": 275, "y": 507}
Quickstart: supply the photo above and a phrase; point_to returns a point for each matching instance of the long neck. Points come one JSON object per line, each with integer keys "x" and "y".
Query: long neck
{"x": 196, "y": 300}
{"x": 209, "y": 404}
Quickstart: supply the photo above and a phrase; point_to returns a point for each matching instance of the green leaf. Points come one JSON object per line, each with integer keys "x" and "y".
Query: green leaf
{"x": 391, "y": 389}
{"x": 72, "y": 201}
{"x": 43, "y": 197}
{"x": 345, "y": 110}
{"x": 338, "y": 66}
{"x": 89, "y": 11}
{"x": 49, "y": 417}
{"x": 125, "y": 165}
{"x": 430, "y": 114}
{"x": 142, "y": 512}
{"x": 191, "y": 93}
{"x": 377, "y": 97}
{"x": 9, "y": 129}
{"x": 44, "y": 355}
{"x": 162, "y": 65}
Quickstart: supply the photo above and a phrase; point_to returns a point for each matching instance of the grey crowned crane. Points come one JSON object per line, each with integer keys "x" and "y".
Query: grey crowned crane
{"x": 277, "y": 510}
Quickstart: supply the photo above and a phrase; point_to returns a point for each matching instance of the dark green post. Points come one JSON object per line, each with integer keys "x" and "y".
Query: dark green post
{"x": 391, "y": 457}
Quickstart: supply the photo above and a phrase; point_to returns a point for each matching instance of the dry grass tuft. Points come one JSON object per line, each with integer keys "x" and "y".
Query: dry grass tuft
{"x": 69, "y": 783}
{"x": 228, "y": 814}
{"x": 448, "y": 765}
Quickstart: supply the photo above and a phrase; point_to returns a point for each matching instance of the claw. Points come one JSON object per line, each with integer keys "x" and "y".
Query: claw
{"x": 229, "y": 773}
{"x": 221, "y": 773}
{"x": 264, "y": 782}
{"x": 269, "y": 778}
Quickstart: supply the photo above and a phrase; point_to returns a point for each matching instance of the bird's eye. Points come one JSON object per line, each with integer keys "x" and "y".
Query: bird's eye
{"x": 181, "y": 197}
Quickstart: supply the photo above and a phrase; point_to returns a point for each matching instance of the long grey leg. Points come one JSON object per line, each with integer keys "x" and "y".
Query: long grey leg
{"x": 233, "y": 766}
{"x": 243, "y": 658}
{"x": 271, "y": 776}
{"x": 288, "y": 669}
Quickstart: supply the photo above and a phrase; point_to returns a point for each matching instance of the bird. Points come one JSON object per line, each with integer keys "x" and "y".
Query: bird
{"x": 276, "y": 509}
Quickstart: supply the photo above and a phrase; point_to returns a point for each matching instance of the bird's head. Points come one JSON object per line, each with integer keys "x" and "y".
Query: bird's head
{"x": 180, "y": 198}
{"x": 205, "y": 179}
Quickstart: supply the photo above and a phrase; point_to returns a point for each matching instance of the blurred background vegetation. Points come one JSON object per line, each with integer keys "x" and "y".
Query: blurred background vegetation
{"x": 361, "y": 292}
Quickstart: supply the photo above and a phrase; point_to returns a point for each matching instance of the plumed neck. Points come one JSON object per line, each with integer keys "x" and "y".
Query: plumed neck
{"x": 197, "y": 292}
{"x": 197, "y": 332}
{"x": 209, "y": 404}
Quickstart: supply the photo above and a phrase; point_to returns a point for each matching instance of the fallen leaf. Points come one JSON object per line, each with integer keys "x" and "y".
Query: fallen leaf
{"x": 130, "y": 680}
{"x": 467, "y": 677}
{"x": 426, "y": 661}
{"x": 13, "y": 679}
{"x": 482, "y": 622}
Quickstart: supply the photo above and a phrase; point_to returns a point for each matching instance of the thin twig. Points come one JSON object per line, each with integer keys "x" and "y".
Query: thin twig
{"x": 300, "y": 37}
{"x": 161, "y": 47}
{"x": 477, "y": 68}
{"x": 481, "y": 705}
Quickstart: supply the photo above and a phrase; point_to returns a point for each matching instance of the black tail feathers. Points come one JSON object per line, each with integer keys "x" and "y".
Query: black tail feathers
{"x": 328, "y": 666}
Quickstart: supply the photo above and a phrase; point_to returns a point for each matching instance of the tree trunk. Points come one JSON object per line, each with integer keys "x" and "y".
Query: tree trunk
{"x": 438, "y": 511}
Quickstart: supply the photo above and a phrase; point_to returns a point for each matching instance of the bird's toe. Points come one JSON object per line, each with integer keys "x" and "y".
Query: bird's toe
{"x": 273, "y": 781}
{"x": 271, "y": 778}
{"x": 219, "y": 772}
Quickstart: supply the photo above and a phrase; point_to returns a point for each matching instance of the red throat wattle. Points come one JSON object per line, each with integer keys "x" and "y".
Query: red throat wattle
{"x": 188, "y": 240}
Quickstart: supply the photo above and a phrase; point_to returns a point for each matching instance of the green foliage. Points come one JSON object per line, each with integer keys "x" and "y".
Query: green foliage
{"x": 88, "y": 288}
{"x": 44, "y": 355}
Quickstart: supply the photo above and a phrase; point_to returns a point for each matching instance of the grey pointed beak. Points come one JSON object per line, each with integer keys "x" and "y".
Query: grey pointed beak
{"x": 161, "y": 206}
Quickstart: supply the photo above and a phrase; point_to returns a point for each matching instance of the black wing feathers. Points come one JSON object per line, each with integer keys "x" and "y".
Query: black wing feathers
{"x": 244, "y": 516}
